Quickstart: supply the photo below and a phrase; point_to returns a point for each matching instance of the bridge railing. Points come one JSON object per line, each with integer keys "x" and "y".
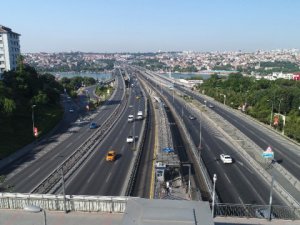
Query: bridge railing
{"x": 56, "y": 202}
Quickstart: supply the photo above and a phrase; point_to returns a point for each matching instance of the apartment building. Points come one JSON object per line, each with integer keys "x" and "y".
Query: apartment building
{"x": 9, "y": 49}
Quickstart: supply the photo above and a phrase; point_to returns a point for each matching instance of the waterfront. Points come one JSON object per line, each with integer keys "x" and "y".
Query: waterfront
{"x": 97, "y": 76}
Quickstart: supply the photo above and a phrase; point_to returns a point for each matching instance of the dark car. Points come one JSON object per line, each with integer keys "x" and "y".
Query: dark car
{"x": 93, "y": 125}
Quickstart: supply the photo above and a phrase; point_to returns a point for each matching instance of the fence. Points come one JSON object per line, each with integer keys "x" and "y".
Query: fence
{"x": 257, "y": 211}
{"x": 56, "y": 202}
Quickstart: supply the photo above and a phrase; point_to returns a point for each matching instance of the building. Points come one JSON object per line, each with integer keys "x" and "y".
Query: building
{"x": 9, "y": 49}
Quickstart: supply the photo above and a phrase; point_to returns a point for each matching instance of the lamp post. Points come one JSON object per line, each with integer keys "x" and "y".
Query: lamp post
{"x": 200, "y": 135}
{"x": 189, "y": 183}
{"x": 271, "y": 111}
{"x": 213, "y": 200}
{"x": 271, "y": 189}
{"x": 224, "y": 98}
{"x": 64, "y": 189}
{"x": 32, "y": 117}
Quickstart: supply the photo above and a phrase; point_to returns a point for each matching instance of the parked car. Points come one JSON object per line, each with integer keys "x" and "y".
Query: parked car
{"x": 225, "y": 158}
{"x": 111, "y": 156}
{"x": 71, "y": 110}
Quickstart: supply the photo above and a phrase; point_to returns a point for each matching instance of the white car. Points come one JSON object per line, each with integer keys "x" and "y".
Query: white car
{"x": 130, "y": 118}
{"x": 225, "y": 158}
{"x": 129, "y": 139}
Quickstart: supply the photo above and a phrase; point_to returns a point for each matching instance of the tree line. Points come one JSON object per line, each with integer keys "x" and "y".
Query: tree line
{"x": 262, "y": 99}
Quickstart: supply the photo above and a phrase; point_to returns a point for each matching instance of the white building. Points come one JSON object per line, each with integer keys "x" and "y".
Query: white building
{"x": 9, "y": 49}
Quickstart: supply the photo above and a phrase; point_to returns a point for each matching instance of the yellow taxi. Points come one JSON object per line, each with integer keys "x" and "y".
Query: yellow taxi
{"x": 111, "y": 156}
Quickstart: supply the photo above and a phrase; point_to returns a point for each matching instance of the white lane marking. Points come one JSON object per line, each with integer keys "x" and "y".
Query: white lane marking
{"x": 69, "y": 144}
{"x": 241, "y": 200}
{"x": 108, "y": 177}
{"x": 227, "y": 178}
{"x": 35, "y": 172}
{"x": 88, "y": 181}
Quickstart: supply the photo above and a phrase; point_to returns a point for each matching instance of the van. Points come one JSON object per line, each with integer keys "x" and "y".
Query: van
{"x": 139, "y": 115}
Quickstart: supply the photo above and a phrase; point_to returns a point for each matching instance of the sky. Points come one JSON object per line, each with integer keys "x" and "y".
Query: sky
{"x": 153, "y": 25}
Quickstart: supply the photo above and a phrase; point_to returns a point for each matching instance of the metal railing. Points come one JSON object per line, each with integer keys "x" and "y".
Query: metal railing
{"x": 257, "y": 211}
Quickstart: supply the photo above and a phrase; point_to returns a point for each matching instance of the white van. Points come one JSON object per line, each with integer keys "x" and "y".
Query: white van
{"x": 139, "y": 115}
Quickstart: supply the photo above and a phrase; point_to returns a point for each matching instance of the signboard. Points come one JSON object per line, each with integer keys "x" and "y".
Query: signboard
{"x": 268, "y": 153}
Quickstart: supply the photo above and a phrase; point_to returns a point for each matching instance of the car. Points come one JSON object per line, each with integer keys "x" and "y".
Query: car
{"x": 225, "y": 158}
{"x": 191, "y": 117}
{"x": 137, "y": 97}
{"x": 129, "y": 139}
{"x": 111, "y": 156}
{"x": 71, "y": 110}
{"x": 210, "y": 106}
{"x": 130, "y": 118}
{"x": 93, "y": 125}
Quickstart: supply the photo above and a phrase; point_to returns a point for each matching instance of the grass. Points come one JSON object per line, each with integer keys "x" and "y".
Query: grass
{"x": 16, "y": 131}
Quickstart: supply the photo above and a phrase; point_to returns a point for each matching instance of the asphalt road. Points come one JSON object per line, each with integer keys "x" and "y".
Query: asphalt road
{"x": 236, "y": 183}
{"x": 34, "y": 170}
{"x": 285, "y": 152}
{"x": 99, "y": 177}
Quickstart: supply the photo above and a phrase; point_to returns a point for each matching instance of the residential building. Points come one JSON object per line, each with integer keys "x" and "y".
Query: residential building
{"x": 9, "y": 49}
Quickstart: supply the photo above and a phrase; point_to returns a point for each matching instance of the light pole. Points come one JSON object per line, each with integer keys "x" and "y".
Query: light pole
{"x": 64, "y": 189}
{"x": 189, "y": 183}
{"x": 213, "y": 200}
{"x": 32, "y": 117}
{"x": 224, "y": 98}
{"x": 200, "y": 135}
{"x": 271, "y": 111}
{"x": 271, "y": 191}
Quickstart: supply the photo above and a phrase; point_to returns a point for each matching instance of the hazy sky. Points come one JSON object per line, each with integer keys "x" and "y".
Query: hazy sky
{"x": 152, "y": 25}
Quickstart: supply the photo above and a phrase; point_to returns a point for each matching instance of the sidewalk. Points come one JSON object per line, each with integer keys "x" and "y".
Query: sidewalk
{"x": 17, "y": 217}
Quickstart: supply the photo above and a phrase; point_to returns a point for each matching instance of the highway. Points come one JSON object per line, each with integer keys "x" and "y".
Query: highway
{"x": 236, "y": 183}
{"x": 285, "y": 152}
{"x": 25, "y": 174}
{"x": 99, "y": 177}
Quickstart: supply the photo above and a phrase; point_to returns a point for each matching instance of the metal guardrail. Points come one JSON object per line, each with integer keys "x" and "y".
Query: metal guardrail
{"x": 71, "y": 163}
{"x": 140, "y": 147}
{"x": 257, "y": 211}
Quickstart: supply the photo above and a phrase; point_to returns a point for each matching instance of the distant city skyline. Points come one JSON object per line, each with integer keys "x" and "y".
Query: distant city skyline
{"x": 153, "y": 25}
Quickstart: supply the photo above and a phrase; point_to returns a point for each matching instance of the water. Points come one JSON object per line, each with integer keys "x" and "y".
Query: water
{"x": 99, "y": 76}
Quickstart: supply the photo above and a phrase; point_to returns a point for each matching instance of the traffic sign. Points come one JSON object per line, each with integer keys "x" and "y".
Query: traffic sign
{"x": 268, "y": 153}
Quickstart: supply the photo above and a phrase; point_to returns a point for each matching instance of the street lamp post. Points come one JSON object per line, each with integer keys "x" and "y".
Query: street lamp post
{"x": 271, "y": 189}
{"x": 189, "y": 183}
{"x": 64, "y": 189}
{"x": 224, "y": 98}
{"x": 213, "y": 200}
{"x": 200, "y": 135}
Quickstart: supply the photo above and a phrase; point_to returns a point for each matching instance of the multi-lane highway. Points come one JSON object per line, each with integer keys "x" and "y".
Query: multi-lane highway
{"x": 99, "y": 177}
{"x": 24, "y": 175}
{"x": 237, "y": 183}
